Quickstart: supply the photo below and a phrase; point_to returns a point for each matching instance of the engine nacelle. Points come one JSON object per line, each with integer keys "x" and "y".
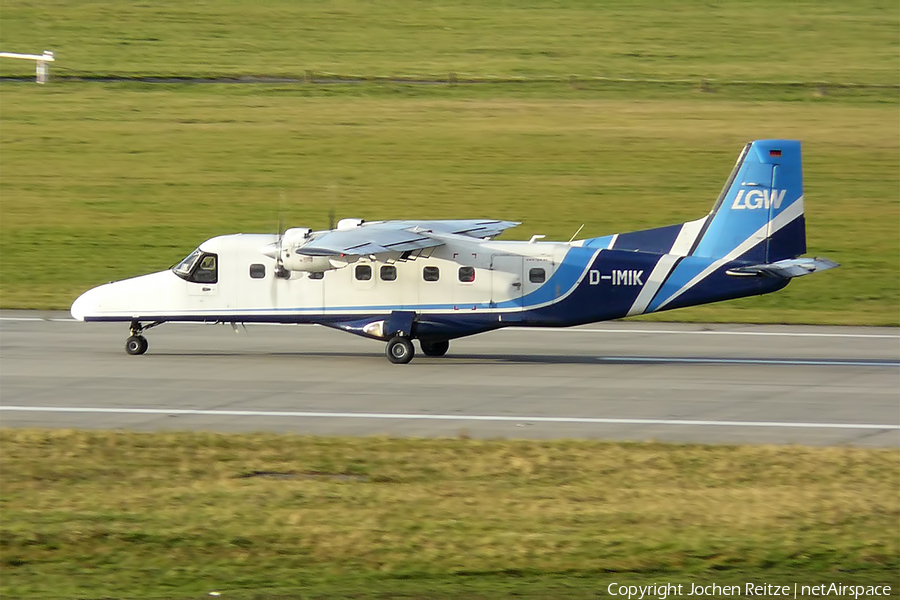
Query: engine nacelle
{"x": 295, "y": 237}
{"x": 292, "y": 240}
{"x": 292, "y": 257}
{"x": 345, "y": 224}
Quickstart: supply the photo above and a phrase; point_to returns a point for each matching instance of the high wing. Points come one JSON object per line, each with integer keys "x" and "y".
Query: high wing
{"x": 397, "y": 236}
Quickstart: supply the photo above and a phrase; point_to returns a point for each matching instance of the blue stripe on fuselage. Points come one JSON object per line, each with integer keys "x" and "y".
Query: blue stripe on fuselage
{"x": 684, "y": 271}
{"x": 609, "y": 288}
{"x": 566, "y": 276}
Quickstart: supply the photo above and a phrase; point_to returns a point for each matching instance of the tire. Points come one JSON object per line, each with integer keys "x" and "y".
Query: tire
{"x": 136, "y": 344}
{"x": 435, "y": 348}
{"x": 400, "y": 350}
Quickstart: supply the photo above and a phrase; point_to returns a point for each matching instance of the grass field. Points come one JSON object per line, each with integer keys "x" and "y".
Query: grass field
{"x": 177, "y": 515}
{"x": 832, "y": 41}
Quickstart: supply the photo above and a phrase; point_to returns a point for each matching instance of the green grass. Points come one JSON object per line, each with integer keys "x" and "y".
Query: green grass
{"x": 100, "y": 514}
{"x": 832, "y": 41}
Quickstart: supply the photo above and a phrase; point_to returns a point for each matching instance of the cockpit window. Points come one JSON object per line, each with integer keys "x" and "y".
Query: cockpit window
{"x": 207, "y": 271}
{"x": 199, "y": 267}
{"x": 184, "y": 268}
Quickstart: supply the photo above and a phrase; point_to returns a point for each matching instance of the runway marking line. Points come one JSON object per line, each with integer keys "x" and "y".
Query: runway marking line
{"x": 794, "y": 362}
{"x": 48, "y": 319}
{"x": 563, "y": 330}
{"x": 421, "y": 417}
{"x": 673, "y": 332}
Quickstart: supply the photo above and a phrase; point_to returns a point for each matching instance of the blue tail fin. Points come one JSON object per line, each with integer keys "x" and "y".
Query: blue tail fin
{"x": 759, "y": 214}
{"x": 747, "y": 245}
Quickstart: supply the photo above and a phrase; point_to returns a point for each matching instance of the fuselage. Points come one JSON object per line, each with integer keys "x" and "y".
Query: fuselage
{"x": 455, "y": 289}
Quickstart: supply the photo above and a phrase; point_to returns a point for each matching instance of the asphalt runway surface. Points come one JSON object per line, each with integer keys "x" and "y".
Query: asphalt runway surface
{"x": 617, "y": 381}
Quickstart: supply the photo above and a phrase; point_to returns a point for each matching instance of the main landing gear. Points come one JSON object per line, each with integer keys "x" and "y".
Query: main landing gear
{"x": 137, "y": 343}
{"x": 400, "y": 349}
{"x": 435, "y": 348}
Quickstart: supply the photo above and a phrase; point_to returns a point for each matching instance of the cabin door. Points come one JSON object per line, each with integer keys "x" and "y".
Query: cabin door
{"x": 506, "y": 278}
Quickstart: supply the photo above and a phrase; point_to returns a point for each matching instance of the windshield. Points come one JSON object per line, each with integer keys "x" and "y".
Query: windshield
{"x": 184, "y": 268}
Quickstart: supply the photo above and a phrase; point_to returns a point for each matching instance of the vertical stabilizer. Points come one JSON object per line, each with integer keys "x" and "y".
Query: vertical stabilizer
{"x": 759, "y": 214}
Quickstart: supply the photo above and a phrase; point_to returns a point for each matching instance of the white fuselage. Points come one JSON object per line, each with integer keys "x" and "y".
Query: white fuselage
{"x": 469, "y": 276}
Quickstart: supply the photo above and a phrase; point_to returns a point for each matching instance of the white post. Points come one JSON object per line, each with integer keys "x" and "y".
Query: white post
{"x": 40, "y": 69}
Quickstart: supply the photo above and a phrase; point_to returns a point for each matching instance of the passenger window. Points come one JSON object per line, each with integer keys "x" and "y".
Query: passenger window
{"x": 536, "y": 275}
{"x": 467, "y": 274}
{"x": 317, "y": 275}
{"x": 257, "y": 271}
{"x": 431, "y": 273}
{"x": 388, "y": 273}
{"x": 207, "y": 270}
{"x": 363, "y": 272}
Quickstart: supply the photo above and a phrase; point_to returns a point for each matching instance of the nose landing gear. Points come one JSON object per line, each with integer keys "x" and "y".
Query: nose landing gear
{"x": 136, "y": 342}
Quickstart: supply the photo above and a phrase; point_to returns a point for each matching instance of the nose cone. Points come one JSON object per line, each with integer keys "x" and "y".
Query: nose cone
{"x": 147, "y": 295}
{"x": 87, "y": 304}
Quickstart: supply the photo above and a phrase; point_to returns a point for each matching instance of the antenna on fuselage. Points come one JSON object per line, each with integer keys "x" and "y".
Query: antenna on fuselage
{"x": 574, "y": 235}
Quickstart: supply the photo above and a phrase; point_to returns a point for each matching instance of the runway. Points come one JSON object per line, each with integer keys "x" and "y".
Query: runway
{"x": 618, "y": 381}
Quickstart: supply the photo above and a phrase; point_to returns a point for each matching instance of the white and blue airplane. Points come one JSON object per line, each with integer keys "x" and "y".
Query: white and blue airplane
{"x": 397, "y": 281}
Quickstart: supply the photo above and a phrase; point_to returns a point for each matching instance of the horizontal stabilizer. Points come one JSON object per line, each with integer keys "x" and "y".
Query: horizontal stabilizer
{"x": 791, "y": 267}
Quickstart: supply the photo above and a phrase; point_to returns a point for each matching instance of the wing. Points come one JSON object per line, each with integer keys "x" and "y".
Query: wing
{"x": 397, "y": 236}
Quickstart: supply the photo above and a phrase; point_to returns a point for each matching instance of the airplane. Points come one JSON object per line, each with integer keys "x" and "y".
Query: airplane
{"x": 439, "y": 280}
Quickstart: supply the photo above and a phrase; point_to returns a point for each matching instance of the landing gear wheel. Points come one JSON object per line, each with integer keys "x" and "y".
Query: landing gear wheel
{"x": 136, "y": 344}
{"x": 435, "y": 348}
{"x": 400, "y": 350}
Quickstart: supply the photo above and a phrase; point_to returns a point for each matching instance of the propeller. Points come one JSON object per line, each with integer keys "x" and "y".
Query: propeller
{"x": 280, "y": 271}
